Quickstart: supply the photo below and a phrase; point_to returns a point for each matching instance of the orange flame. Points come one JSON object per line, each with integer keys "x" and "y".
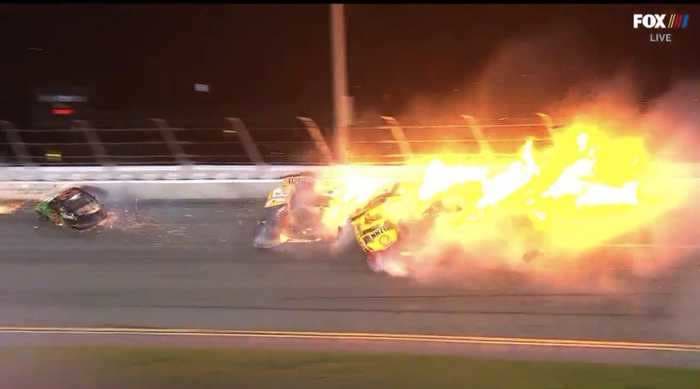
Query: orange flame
{"x": 584, "y": 191}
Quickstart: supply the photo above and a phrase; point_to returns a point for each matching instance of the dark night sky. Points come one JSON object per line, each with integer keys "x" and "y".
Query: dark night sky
{"x": 269, "y": 62}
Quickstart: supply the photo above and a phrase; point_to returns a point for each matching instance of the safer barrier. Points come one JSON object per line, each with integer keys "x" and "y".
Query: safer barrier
{"x": 160, "y": 182}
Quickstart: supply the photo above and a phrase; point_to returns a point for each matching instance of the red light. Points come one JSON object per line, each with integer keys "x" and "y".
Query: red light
{"x": 62, "y": 111}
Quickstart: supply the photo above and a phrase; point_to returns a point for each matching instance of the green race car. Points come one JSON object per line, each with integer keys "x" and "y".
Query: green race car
{"x": 74, "y": 208}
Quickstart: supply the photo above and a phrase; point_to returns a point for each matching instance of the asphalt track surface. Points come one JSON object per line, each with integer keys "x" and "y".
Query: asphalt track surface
{"x": 192, "y": 265}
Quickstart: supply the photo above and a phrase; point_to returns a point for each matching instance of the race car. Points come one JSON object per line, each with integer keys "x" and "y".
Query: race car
{"x": 383, "y": 240}
{"x": 74, "y": 208}
{"x": 380, "y": 237}
{"x": 293, "y": 213}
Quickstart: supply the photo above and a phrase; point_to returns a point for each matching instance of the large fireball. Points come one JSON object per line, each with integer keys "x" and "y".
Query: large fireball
{"x": 583, "y": 192}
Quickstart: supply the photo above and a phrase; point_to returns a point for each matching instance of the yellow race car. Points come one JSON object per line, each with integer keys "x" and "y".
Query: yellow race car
{"x": 385, "y": 240}
{"x": 373, "y": 231}
{"x": 379, "y": 237}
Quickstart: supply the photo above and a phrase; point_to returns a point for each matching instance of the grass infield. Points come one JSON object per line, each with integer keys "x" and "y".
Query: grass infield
{"x": 135, "y": 367}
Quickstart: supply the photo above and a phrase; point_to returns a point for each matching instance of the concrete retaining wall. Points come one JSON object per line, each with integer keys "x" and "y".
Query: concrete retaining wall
{"x": 177, "y": 182}
{"x": 144, "y": 190}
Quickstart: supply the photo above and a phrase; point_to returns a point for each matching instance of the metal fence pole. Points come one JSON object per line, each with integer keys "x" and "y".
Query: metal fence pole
{"x": 473, "y": 125}
{"x": 317, "y": 137}
{"x": 16, "y": 143}
{"x": 399, "y": 136}
{"x": 251, "y": 149}
{"x": 166, "y": 132}
{"x": 98, "y": 149}
{"x": 547, "y": 122}
{"x": 341, "y": 100}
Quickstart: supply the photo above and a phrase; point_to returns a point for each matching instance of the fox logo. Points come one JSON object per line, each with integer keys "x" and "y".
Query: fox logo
{"x": 660, "y": 21}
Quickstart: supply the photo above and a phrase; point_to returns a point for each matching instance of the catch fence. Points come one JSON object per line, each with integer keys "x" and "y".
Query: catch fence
{"x": 234, "y": 143}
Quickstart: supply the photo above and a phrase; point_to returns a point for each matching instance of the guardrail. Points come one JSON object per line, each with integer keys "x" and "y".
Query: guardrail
{"x": 234, "y": 144}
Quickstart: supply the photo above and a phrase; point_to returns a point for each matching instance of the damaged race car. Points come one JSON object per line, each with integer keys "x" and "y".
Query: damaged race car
{"x": 293, "y": 213}
{"x": 384, "y": 240}
{"x": 381, "y": 238}
{"x": 74, "y": 208}
{"x": 373, "y": 232}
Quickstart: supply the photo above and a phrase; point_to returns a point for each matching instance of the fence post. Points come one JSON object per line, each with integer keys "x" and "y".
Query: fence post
{"x": 98, "y": 150}
{"x": 249, "y": 146}
{"x": 317, "y": 137}
{"x": 473, "y": 125}
{"x": 171, "y": 141}
{"x": 18, "y": 147}
{"x": 547, "y": 122}
{"x": 399, "y": 136}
